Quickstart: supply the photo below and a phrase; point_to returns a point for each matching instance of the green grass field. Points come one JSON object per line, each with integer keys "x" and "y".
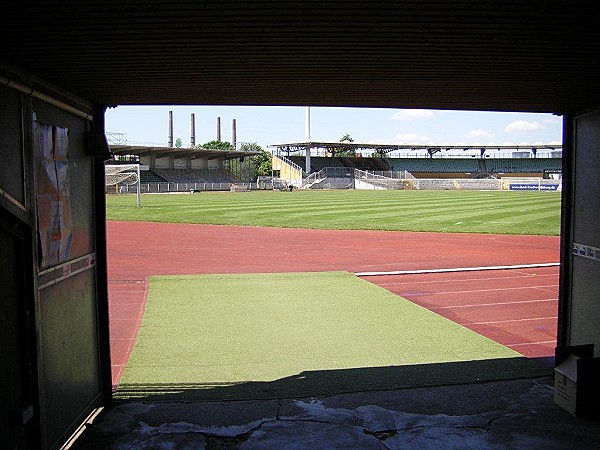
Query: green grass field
{"x": 277, "y": 335}
{"x": 498, "y": 212}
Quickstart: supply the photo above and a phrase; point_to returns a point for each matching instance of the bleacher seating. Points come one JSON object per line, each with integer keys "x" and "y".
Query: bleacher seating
{"x": 318, "y": 163}
{"x": 472, "y": 166}
{"x": 522, "y": 165}
{"x": 476, "y": 165}
{"x": 196, "y": 176}
{"x": 148, "y": 176}
{"x": 368, "y": 164}
{"x": 299, "y": 160}
{"x": 436, "y": 165}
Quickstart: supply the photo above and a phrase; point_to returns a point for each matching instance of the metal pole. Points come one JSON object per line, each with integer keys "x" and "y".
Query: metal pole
{"x": 139, "y": 183}
{"x": 307, "y": 137}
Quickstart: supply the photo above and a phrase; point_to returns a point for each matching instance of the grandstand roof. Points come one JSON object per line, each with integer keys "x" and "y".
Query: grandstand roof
{"x": 386, "y": 148}
{"x": 161, "y": 152}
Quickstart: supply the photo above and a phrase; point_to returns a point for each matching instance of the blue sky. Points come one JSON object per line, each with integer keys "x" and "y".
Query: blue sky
{"x": 271, "y": 125}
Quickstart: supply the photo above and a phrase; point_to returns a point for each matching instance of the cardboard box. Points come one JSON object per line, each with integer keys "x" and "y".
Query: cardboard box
{"x": 577, "y": 380}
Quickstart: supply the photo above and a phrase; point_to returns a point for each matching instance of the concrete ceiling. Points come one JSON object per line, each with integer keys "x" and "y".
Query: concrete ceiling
{"x": 478, "y": 55}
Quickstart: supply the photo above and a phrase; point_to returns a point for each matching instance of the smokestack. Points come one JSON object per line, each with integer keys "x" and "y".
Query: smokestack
{"x": 193, "y": 131}
{"x": 218, "y": 129}
{"x": 170, "y": 144}
{"x": 233, "y": 133}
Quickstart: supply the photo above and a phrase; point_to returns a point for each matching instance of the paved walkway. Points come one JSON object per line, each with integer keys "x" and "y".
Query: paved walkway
{"x": 517, "y": 414}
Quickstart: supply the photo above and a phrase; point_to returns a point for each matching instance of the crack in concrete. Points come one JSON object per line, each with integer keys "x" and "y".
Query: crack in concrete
{"x": 388, "y": 433}
{"x": 386, "y": 428}
{"x": 214, "y": 440}
{"x": 382, "y": 435}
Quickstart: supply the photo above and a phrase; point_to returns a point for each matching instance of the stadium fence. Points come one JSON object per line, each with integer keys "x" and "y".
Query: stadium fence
{"x": 477, "y": 184}
{"x": 340, "y": 178}
{"x": 158, "y": 188}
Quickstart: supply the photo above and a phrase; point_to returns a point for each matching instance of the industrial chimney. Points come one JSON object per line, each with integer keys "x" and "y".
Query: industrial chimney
{"x": 233, "y": 134}
{"x": 170, "y": 129}
{"x": 193, "y": 131}
{"x": 218, "y": 129}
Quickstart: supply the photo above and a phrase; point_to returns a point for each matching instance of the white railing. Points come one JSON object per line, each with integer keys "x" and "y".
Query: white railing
{"x": 344, "y": 176}
{"x": 158, "y": 188}
{"x": 291, "y": 163}
{"x": 369, "y": 180}
{"x": 358, "y": 179}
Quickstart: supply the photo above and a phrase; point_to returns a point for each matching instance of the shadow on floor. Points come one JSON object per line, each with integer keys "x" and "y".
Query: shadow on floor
{"x": 331, "y": 382}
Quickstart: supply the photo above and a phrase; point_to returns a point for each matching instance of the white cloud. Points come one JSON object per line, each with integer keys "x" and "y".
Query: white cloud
{"x": 414, "y": 114}
{"x": 522, "y": 126}
{"x": 379, "y": 142}
{"x": 412, "y": 138}
{"x": 553, "y": 120}
{"x": 480, "y": 134}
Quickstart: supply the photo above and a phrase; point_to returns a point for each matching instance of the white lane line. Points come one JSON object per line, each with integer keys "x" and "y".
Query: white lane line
{"x": 510, "y": 320}
{"x": 532, "y": 343}
{"x": 496, "y": 304}
{"x": 421, "y": 294}
{"x": 464, "y": 280}
{"x": 458, "y": 269}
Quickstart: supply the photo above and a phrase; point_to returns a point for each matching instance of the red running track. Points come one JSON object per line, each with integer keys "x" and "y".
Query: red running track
{"x": 517, "y": 308}
{"x": 489, "y": 302}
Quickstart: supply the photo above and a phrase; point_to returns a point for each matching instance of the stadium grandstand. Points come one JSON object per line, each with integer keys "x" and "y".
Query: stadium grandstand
{"x": 341, "y": 165}
{"x": 168, "y": 169}
{"x": 332, "y": 164}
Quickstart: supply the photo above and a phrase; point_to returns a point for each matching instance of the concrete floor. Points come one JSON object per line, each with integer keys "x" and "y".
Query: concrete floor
{"x": 518, "y": 414}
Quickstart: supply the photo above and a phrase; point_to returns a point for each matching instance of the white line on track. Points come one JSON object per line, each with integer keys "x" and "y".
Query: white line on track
{"x": 518, "y": 288}
{"x": 531, "y": 343}
{"x": 495, "y": 304}
{"x": 463, "y": 280}
{"x": 510, "y": 320}
{"x": 457, "y": 269}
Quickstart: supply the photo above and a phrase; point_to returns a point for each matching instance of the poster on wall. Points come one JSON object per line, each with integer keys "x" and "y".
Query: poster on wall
{"x": 53, "y": 194}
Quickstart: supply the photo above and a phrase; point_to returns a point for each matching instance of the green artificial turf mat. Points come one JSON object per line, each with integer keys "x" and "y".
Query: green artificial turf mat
{"x": 245, "y": 336}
